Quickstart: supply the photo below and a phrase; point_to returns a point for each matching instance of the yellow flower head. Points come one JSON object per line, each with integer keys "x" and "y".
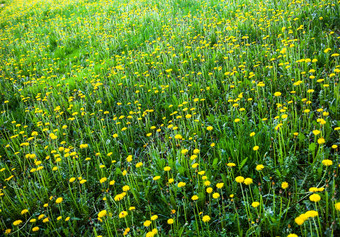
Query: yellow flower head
{"x": 123, "y": 214}
{"x": 337, "y": 206}
{"x": 129, "y": 158}
{"x": 53, "y": 137}
{"x": 59, "y": 200}
{"x": 184, "y": 151}
{"x": 147, "y": 223}
{"x": 178, "y": 136}
{"x": 139, "y": 164}
{"x": 181, "y": 184}
{"x": 327, "y": 162}
{"x": 304, "y": 217}
{"x": 284, "y": 185}
{"x": 126, "y": 188}
{"x": 259, "y": 167}
{"x": 315, "y": 197}
{"x": 219, "y": 185}
{"x": 311, "y": 214}
{"x": 248, "y": 181}
{"x": 24, "y": 211}
{"x": 313, "y": 189}
{"x": 299, "y": 220}
{"x": 102, "y": 213}
{"x": 239, "y": 179}
{"x": 206, "y": 218}
{"x": 216, "y": 195}
{"x": 150, "y": 234}
{"x": 231, "y": 164}
{"x": 321, "y": 140}
{"x": 17, "y": 222}
{"x": 194, "y": 198}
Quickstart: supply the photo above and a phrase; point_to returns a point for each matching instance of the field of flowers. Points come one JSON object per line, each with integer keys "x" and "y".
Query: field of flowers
{"x": 169, "y": 118}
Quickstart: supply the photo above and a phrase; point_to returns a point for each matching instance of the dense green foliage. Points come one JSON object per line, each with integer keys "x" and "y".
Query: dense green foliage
{"x": 169, "y": 118}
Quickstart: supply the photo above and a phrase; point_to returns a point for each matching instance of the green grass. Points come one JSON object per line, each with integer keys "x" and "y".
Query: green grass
{"x": 93, "y": 94}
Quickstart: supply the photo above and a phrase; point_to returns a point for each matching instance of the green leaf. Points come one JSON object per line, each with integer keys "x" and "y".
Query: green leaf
{"x": 312, "y": 147}
{"x": 118, "y": 171}
{"x": 215, "y": 163}
{"x": 181, "y": 170}
{"x": 242, "y": 163}
{"x": 224, "y": 178}
{"x": 301, "y": 137}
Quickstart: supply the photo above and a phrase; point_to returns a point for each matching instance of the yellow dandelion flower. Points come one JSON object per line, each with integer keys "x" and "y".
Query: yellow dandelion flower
{"x": 147, "y": 223}
{"x": 219, "y": 185}
{"x": 24, "y": 211}
{"x": 299, "y": 220}
{"x": 337, "y": 206}
{"x": 216, "y": 195}
{"x": 248, "y": 181}
{"x": 206, "y": 218}
{"x": 321, "y": 140}
{"x": 327, "y": 162}
{"x": 239, "y": 179}
{"x": 102, "y": 180}
{"x": 123, "y": 214}
{"x": 59, "y": 200}
{"x": 315, "y": 197}
{"x": 311, "y": 214}
{"x": 194, "y": 198}
{"x": 284, "y": 185}
{"x": 181, "y": 184}
{"x": 126, "y": 188}
{"x": 102, "y": 213}
{"x": 17, "y": 222}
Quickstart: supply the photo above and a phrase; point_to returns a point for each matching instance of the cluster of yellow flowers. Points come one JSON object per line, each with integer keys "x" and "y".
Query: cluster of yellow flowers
{"x": 161, "y": 117}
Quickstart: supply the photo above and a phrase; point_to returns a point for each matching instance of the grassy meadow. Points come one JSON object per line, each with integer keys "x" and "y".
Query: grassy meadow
{"x": 170, "y": 118}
